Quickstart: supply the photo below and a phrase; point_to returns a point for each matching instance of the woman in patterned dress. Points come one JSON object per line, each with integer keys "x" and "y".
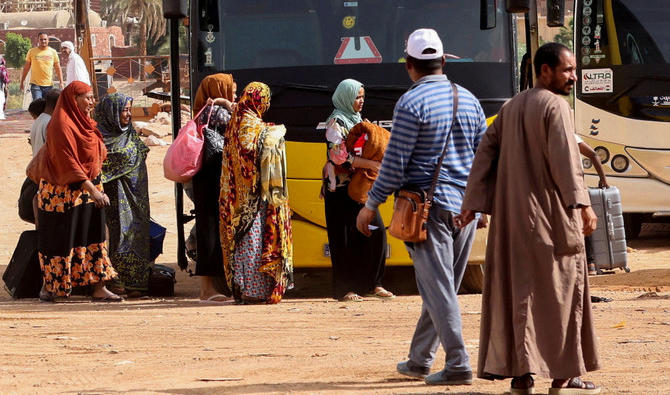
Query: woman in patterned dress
{"x": 125, "y": 181}
{"x": 255, "y": 225}
{"x": 71, "y": 200}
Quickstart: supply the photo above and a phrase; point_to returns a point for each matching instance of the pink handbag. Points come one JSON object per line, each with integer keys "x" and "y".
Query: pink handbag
{"x": 184, "y": 157}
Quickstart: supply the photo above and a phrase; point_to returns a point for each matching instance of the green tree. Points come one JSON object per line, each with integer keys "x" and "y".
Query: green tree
{"x": 149, "y": 14}
{"x": 16, "y": 48}
{"x": 565, "y": 35}
{"x": 162, "y": 47}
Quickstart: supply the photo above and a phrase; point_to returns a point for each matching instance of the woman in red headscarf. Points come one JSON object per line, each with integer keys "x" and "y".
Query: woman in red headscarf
{"x": 71, "y": 201}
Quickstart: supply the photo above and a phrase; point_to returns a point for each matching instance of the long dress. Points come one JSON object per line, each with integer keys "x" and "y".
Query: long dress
{"x": 125, "y": 180}
{"x": 71, "y": 232}
{"x": 255, "y": 226}
{"x": 358, "y": 261}
{"x": 206, "y": 189}
{"x": 536, "y": 309}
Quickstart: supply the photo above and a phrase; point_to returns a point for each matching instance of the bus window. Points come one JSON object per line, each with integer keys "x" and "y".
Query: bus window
{"x": 271, "y": 34}
{"x": 642, "y": 31}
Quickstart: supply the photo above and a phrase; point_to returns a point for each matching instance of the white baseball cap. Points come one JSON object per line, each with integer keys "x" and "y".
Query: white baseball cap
{"x": 422, "y": 39}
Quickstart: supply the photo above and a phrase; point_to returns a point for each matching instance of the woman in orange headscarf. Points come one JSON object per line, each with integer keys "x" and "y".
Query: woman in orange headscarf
{"x": 216, "y": 94}
{"x": 254, "y": 213}
{"x": 71, "y": 230}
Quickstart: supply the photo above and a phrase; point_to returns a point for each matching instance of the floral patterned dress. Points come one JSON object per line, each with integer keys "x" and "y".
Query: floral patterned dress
{"x": 124, "y": 176}
{"x": 255, "y": 232}
{"x": 72, "y": 249}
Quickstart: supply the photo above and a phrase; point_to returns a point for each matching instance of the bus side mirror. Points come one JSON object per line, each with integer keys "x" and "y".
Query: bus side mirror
{"x": 175, "y": 9}
{"x": 555, "y": 13}
{"x": 487, "y": 14}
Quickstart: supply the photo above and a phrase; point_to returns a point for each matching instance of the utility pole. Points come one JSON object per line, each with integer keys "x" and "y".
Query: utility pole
{"x": 82, "y": 37}
{"x": 174, "y": 10}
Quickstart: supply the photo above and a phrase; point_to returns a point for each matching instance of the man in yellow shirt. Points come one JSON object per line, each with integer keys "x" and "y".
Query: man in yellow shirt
{"x": 41, "y": 61}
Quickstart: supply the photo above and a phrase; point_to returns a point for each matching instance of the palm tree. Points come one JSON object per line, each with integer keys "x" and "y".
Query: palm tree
{"x": 149, "y": 14}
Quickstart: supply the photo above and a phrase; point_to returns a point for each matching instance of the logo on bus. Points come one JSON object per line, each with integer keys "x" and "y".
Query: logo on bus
{"x": 386, "y": 124}
{"x": 597, "y": 81}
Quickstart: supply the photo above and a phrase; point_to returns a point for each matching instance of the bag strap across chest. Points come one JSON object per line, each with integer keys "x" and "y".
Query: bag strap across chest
{"x": 429, "y": 197}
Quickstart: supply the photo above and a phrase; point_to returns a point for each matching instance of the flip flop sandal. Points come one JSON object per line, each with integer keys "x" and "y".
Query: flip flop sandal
{"x": 47, "y": 297}
{"x": 212, "y": 300}
{"x": 351, "y": 298}
{"x": 384, "y": 294}
{"x": 107, "y": 299}
{"x": 522, "y": 391}
{"x": 576, "y": 386}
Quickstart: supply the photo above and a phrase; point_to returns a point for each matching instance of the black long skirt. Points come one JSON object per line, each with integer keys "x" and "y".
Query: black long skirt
{"x": 358, "y": 261}
{"x": 206, "y": 189}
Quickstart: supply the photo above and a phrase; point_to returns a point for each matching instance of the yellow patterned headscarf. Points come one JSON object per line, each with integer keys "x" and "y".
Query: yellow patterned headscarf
{"x": 255, "y": 98}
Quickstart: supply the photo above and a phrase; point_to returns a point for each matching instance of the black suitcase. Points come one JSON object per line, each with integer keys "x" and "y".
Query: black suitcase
{"x": 23, "y": 276}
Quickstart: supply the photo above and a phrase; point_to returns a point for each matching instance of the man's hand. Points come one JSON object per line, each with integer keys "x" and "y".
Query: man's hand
{"x": 483, "y": 221}
{"x": 590, "y": 220}
{"x": 603, "y": 183}
{"x": 21, "y": 86}
{"x": 465, "y": 217}
{"x": 365, "y": 217}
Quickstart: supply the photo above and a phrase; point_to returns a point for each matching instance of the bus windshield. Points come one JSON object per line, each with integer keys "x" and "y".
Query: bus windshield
{"x": 254, "y": 34}
{"x": 624, "y": 48}
{"x": 642, "y": 30}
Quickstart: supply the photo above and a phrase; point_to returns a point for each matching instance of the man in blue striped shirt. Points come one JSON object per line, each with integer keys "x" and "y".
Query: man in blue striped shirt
{"x": 421, "y": 122}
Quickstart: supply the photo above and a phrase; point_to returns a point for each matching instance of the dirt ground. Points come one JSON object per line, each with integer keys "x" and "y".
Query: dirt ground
{"x": 304, "y": 345}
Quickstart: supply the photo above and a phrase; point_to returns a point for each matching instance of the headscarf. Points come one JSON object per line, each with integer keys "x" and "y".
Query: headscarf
{"x": 68, "y": 45}
{"x": 125, "y": 150}
{"x": 213, "y": 86}
{"x": 74, "y": 150}
{"x": 108, "y": 114}
{"x": 343, "y": 100}
{"x": 255, "y": 100}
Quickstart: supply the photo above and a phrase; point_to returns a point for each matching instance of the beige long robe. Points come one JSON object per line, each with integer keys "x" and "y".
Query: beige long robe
{"x": 536, "y": 308}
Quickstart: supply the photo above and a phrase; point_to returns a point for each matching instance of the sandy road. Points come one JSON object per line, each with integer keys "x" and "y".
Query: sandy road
{"x": 305, "y": 346}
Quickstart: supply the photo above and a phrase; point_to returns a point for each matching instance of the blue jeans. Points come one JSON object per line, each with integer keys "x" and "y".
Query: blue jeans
{"x": 439, "y": 265}
{"x": 39, "y": 91}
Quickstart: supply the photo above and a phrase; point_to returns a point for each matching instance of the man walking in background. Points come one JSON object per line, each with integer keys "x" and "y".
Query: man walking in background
{"x": 422, "y": 119}
{"x": 75, "y": 69}
{"x": 41, "y": 61}
{"x": 527, "y": 173}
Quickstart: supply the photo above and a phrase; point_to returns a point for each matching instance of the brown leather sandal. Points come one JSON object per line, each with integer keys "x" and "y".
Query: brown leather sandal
{"x": 522, "y": 385}
{"x": 575, "y": 386}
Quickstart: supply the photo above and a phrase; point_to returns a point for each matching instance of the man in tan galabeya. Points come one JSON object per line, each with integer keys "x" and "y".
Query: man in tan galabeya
{"x": 536, "y": 309}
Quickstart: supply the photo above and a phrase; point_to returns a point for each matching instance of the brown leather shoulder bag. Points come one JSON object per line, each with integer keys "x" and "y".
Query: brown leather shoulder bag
{"x": 412, "y": 205}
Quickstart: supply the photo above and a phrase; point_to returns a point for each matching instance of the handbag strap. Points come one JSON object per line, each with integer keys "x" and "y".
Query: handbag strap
{"x": 429, "y": 197}
{"x": 211, "y": 109}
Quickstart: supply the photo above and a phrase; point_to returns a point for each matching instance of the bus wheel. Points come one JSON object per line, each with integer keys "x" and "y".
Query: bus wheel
{"x": 632, "y": 225}
{"x": 473, "y": 280}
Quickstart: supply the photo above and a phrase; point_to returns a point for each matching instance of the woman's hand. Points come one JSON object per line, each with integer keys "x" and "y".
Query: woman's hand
{"x": 220, "y": 101}
{"x": 362, "y": 163}
{"x": 100, "y": 199}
